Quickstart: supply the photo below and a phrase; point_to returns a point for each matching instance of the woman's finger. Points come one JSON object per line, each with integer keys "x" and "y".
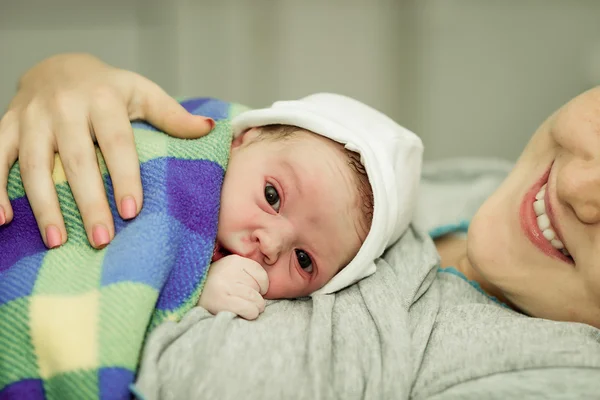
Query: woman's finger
{"x": 36, "y": 162}
{"x": 9, "y": 151}
{"x": 78, "y": 156}
{"x": 165, "y": 113}
{"x": 115, "y": 137}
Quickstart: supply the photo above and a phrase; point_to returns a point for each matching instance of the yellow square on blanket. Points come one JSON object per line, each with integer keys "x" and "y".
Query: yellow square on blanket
{"x": 63, "y": 332}
{"x": 59, "y": 175}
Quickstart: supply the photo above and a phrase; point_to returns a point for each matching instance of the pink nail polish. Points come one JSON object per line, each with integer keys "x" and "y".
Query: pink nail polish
{"x": 128, "y": 207}
{"x": 53, "y": 237}
{"x": 100, "y": 235}
{"x": 2, "y": 216}
{"x": 211, "y": 123}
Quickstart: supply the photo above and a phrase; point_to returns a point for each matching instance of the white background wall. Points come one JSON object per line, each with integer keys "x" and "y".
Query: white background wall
{"x": 471, "y": 77}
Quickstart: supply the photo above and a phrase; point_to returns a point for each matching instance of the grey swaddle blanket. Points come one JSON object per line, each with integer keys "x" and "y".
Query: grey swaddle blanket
{"x": 405, "y": 332}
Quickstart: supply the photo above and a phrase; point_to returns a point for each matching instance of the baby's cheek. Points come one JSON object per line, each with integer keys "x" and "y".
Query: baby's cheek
{"x": 282, "y": 286}
{"x": 276, "y": 289}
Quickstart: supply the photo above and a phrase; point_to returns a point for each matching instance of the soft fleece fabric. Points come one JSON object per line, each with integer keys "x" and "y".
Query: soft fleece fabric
{"x": 73, "y": 319}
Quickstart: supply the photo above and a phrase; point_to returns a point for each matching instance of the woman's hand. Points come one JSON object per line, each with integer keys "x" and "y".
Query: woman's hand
{"x": 65, "y": 104}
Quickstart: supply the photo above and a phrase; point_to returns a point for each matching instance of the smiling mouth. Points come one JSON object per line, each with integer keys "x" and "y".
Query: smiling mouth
{"x": 219, "y": 252}
{"x": 544, "y": 224}
{"x": 536, "y": 221}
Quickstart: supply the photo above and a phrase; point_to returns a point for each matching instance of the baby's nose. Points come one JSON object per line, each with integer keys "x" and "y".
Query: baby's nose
{"x": 268, "y": 246}
{"x": 578, "y": 185}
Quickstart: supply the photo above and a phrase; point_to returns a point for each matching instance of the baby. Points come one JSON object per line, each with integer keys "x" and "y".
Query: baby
{"x": 315, "y": 191}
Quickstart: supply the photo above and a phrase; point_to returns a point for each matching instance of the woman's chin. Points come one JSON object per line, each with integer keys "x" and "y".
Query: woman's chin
{"x": 491, "y": 244}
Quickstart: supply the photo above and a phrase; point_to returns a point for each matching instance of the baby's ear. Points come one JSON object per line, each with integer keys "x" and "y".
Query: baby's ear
{"x": 237, "y": 141}
{"x": 245, "y": 137}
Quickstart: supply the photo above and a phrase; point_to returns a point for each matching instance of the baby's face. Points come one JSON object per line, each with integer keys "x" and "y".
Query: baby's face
{"x": 291, "y": 206}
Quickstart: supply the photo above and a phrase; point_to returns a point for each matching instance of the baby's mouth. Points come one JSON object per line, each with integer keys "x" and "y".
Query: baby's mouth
{"x": 219, "y": 252}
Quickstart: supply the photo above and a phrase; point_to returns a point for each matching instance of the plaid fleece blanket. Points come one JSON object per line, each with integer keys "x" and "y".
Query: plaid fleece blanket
{"x": 73, "y": 319}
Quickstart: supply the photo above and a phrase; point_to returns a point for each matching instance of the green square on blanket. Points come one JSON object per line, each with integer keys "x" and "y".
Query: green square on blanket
{"x": 73, "y": 385}
{"x": 82, "y": 267}
{"x": 17, "y": 361}
{"x": 119, "y": 311}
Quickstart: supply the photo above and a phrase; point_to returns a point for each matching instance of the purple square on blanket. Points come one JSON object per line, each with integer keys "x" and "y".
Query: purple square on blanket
{"x": 193, "y": 197}
{"x": 193, "y": 194}
{"x": 26, "y": 389}
{"x": 20, "y": 238}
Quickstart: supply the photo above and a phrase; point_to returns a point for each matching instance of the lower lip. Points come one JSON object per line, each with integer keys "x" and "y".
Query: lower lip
{"x": 529, "y": 222}
{"x": 217, "y": 255}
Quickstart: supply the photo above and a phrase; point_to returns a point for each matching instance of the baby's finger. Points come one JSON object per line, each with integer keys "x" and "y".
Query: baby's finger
{"x": 258, "y": 275}
{"x": 248, "y": 293}
{"x": 117, "y": 143}
{"x": 164, "y": 112}
{"x": 36, "y": 162}
{"x": 244, "y": 308}
{"x": 80, "y": 164}
{"x": 9, "y": 151}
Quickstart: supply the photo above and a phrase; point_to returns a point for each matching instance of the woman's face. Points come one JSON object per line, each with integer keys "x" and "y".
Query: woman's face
{"x": 537, "y": 238}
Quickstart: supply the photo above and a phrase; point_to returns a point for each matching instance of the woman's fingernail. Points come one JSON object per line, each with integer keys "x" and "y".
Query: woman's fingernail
{"x": 211, "y": 122}
{"x": 53, "y": 236}
{"x": 100, "y": 235}
{"x": 2, "y": 216}
{"x": 128, "y": 207}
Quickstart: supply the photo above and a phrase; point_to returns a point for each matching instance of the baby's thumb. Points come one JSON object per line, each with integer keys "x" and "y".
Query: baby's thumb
{"x": 165, "y": 113}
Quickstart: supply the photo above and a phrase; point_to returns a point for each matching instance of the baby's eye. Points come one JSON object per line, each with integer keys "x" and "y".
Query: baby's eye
{"x": 304, "y": 260}
{"x": 272, "y": 196}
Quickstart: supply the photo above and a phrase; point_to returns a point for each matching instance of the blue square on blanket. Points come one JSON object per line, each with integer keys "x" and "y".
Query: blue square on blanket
{"x": 144, "y": 251}
{"x": 213, "y": 108}
{"x": 18, "y": 281}
{"x": 153, "y": 174}
{"x": 188, "y": 269}
{"x": 114, "y": 383}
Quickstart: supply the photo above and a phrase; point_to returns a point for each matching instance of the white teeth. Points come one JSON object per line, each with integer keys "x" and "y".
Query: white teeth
{"x": 539, "y": 207}
{"x": 543, "y": 222}
{"x": 549, "y": 234}
{"x": 540, "y": 195}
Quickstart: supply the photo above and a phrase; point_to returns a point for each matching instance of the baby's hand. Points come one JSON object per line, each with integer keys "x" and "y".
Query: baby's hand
{"x": 235, "y": 284}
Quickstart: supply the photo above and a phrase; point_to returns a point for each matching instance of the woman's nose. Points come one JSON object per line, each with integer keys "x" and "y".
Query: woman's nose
{"x": 578, "y": 185}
